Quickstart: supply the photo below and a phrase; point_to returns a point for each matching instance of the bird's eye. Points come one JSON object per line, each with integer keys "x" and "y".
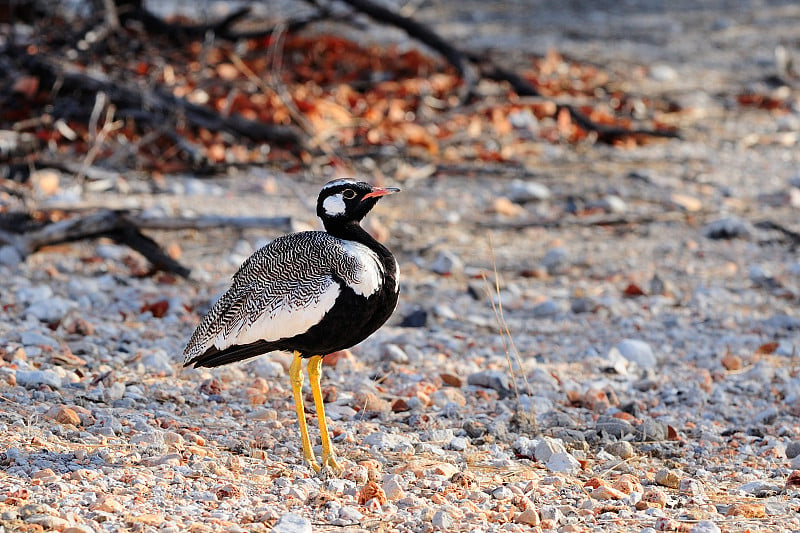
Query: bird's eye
{"x": 348, "y": 194}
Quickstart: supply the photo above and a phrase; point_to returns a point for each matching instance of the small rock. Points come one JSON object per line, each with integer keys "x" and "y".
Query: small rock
{"x": 52, "y": 309}
{"x": 628, "y": 484}
{"x": 525, "y": 447}
{"x": 521, "y": 192}
{"x": 686, "y": 202}
{"x": 502, "y": 493}
{"x": 36, "y": 293}
{"x": 621, "y": 448}
{"x": 386, "y": 441}
{"x": 503, "y": 206}
{"x": 158, "y": 362}
{"x": 546, "y": 309}
{"x": 638, "y": 352}
{"x": 732, "y": 362}
{"x": 491, "y": 379}
{"x": 458, "y": 444}
{"x": 446, "y": 263}
{"x": 705, "y": 526}
{"x": 415, "y": 319}
{"x": 395, "y": 354}
{"x": 292, "y": 523}
{"x": 371, "y": 491}
{"x": 451, "y": 380}
{"x": 9, "y": 256}
{"x": 760, "y": 489}
{"x": 653, "y": 430}
{"x": 766, "y": 416}
{"x": 604, "y": 492}
{"x": 661, "y": 72}
{"x": 45, "y": 181}
{"x": 668, "y": 478}
{"x": 266, "y": 368}
{"x": 348, "y": 514}
{"x": 793, "y": 449}
{"x": 613, "y": 204}
{"x": 393, "y": 487}
{"x": 107, "y": 504}
{"x": 555, "y": 260}
{"x": 747, "y": 510}
{"x": 761, "y": 278}
{"x": 442, "y": 520}
{"x": 728, "y": 228}
{"x": 64, "y": 415}
{"x": 529, "y": 517}
{"x": 654, "y": 497}
{"x": 170, "y": 459}
{"x": 80, "y": 528}
{"x": 583, "y": 305}
{"x": 563, "y": 462}
{"x": 615, "y": 427}
{"x": 36, "y": 378}
{"x": 546, "y": 448}
{"x": 34, "y": 338}
{"x": 371, "y": 402}
{"x": 552, "y": 513}
{"x": 474, "y": 428}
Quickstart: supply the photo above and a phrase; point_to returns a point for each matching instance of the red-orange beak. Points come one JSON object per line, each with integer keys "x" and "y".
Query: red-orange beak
{"x": 377, "y": 192}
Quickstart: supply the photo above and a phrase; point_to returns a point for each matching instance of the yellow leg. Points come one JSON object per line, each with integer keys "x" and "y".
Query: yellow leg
{"x": 328, "y": 455}
{"x": 296, "y": 377}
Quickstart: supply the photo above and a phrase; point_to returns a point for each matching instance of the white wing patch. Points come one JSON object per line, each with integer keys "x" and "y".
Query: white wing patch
{"x": 396, "y": 276}
{"x": 368, "y": 278}
{"x": 284, "y": 320}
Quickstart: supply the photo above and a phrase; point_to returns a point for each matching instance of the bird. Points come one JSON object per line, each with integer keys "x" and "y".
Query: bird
{"x": 310, "y": 293}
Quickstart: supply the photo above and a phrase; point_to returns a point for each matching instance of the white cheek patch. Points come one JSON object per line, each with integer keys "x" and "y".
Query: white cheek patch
{"x": 334, "y": 205}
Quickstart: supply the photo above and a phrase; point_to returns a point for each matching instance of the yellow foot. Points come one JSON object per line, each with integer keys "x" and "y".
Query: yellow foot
{"x": 329, "y": 461}
{"x": 313, "y": 464}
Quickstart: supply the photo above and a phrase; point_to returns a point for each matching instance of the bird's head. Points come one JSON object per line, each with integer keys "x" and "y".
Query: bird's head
{"x": 346, "y": 200}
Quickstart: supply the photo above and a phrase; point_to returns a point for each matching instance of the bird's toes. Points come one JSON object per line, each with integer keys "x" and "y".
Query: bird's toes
{"x": 332, "y": 465}
{"x": 313, "y": 464}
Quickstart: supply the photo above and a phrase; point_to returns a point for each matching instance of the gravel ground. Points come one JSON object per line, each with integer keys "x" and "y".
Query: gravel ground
{"x": 642, "y": 373}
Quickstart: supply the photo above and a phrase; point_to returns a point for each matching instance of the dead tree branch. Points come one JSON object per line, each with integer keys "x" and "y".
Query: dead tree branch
{"x": 426, "y": 36}
{"x": 28, "y": 236}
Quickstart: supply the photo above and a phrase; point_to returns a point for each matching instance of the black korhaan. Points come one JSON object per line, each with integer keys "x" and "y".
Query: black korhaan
{"x": 311, "y": 293}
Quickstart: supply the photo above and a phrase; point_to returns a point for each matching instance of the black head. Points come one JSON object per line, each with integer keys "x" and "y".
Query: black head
{"x": 344, "y": 200}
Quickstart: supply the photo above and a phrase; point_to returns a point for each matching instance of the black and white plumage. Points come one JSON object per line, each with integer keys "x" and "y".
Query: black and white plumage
{"x": 312, "y": 293}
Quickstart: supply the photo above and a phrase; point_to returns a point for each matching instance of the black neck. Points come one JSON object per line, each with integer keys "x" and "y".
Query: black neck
{"x": 352, "y": 231}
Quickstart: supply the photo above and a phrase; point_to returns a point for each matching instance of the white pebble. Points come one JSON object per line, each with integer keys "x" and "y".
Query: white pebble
{"x": 158, "y": 362}
{"x": 52, "y": 309}
{"x": 563, "y": 462}
{"x": 705, "y": 526}
{"x": 638, "y": 352}
{"x": 292, "y": 523}
{"x": 393, "y": 487}
{"x": 442, "y": 520}
{"x": 446, "y": 263}
{"x": 547, "y": 447}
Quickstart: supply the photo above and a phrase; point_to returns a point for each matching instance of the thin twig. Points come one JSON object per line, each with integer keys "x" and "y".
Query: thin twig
{"x": 505, "y": 332}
